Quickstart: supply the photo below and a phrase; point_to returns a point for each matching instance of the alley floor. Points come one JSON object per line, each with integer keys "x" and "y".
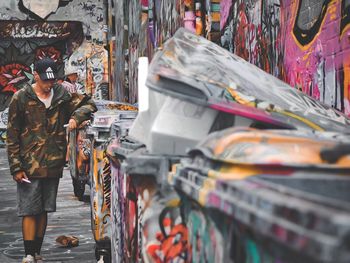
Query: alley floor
{"x": 72, "y": 218}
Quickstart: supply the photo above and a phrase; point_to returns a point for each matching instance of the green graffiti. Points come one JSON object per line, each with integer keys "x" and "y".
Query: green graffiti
{"x": 206, "y": 241}
{"x": 252, "y": 252}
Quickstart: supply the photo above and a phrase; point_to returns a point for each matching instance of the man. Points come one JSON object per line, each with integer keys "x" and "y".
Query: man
{"x": 70, "y": 83}
{"x": 36, "y": 146}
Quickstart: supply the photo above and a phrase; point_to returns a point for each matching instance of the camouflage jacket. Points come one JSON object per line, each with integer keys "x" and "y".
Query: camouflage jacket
{"x": 36, "y": 137}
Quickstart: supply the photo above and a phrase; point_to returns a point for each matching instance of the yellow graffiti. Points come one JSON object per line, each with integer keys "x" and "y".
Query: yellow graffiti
{"x": 242, "y": 101}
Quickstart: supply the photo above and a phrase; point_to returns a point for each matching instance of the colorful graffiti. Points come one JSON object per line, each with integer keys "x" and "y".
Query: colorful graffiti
{"x": 100, "y": 175}
{"x": 126, "y": 216}
{"x": 132, "y": 223}
{"x": 117, "y": 212}
{"x": 207, "y": 242}
{"x": 3, "y": 137}
{"x": 147, "y": 219}
{"x": 303, "y": 43}
{"x": 143, "y": 26}
{"x": 50, "y": 52}
{"x": 164, "y": 232}
{"x": 23, "y": 43}
{"x": 83, "y": 154}
{"x": 23, "y": 40}
{"x": 317, "y": 62}
{"x": 12, "y": 75}
{"x": 173, "y": 243}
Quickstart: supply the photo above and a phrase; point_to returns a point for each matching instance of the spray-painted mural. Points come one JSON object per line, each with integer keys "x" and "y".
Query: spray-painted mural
{"x": 143, "y": 26}
{"x": 72, "y": 32}
{"x": 100, "y": 193}
{"x": 22, "y": 43}
{"x": 305, "y": 43}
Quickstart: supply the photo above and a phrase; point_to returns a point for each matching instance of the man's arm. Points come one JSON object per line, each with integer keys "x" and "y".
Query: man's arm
{"x": 13, "y": 135}
{"x": 81, "y": 108}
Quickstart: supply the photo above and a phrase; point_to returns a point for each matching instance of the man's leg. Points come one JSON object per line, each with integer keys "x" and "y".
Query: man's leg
{"x": 29, "y": 232}
{"x": 41, "y": 223}
{"x": 49, "y": 195}
{"x": 29, "y": 203}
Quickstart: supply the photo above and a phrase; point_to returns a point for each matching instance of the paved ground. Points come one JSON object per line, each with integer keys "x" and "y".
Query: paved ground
{"x": 72, "y": 218}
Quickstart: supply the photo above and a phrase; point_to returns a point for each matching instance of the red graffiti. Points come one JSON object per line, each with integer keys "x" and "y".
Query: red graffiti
{"x": 132, "y": 223}
{"x": 174, "y": 245}
{"x": 50, "y": 52}
{"x": 241, "y": 37}
{"x": 12, "y": 75}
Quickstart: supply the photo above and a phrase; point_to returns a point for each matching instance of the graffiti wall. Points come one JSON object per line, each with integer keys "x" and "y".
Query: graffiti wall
{"x": 143, "y": 26}
{"x": 72, "y": 32}
{"x": 305, "y": 43}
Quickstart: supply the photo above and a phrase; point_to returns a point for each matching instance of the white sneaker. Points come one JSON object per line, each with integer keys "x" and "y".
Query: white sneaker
{"x": 28, "y": 259}
{"x": 39, "y": 258}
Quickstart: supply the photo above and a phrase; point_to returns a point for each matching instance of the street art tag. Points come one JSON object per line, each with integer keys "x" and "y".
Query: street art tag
{"x": 41, "y": 8}
{"x": 33, "y": 30}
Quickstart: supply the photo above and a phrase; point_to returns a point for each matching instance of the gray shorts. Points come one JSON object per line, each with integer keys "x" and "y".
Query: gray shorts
{"x": 37, "y": 197}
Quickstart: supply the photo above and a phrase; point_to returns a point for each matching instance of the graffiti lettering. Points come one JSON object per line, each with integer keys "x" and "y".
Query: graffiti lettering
{"x": 101, "y": 214}
{"x": 93, "y": 10}
{"x": 20, "y": 30}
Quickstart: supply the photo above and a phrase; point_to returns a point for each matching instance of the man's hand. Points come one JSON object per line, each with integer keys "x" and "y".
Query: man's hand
{"x": 19, "y": 176}
{"x": 72, "y": 124}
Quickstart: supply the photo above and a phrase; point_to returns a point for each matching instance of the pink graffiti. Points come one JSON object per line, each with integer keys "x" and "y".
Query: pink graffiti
{"x": 309, "y": 68}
